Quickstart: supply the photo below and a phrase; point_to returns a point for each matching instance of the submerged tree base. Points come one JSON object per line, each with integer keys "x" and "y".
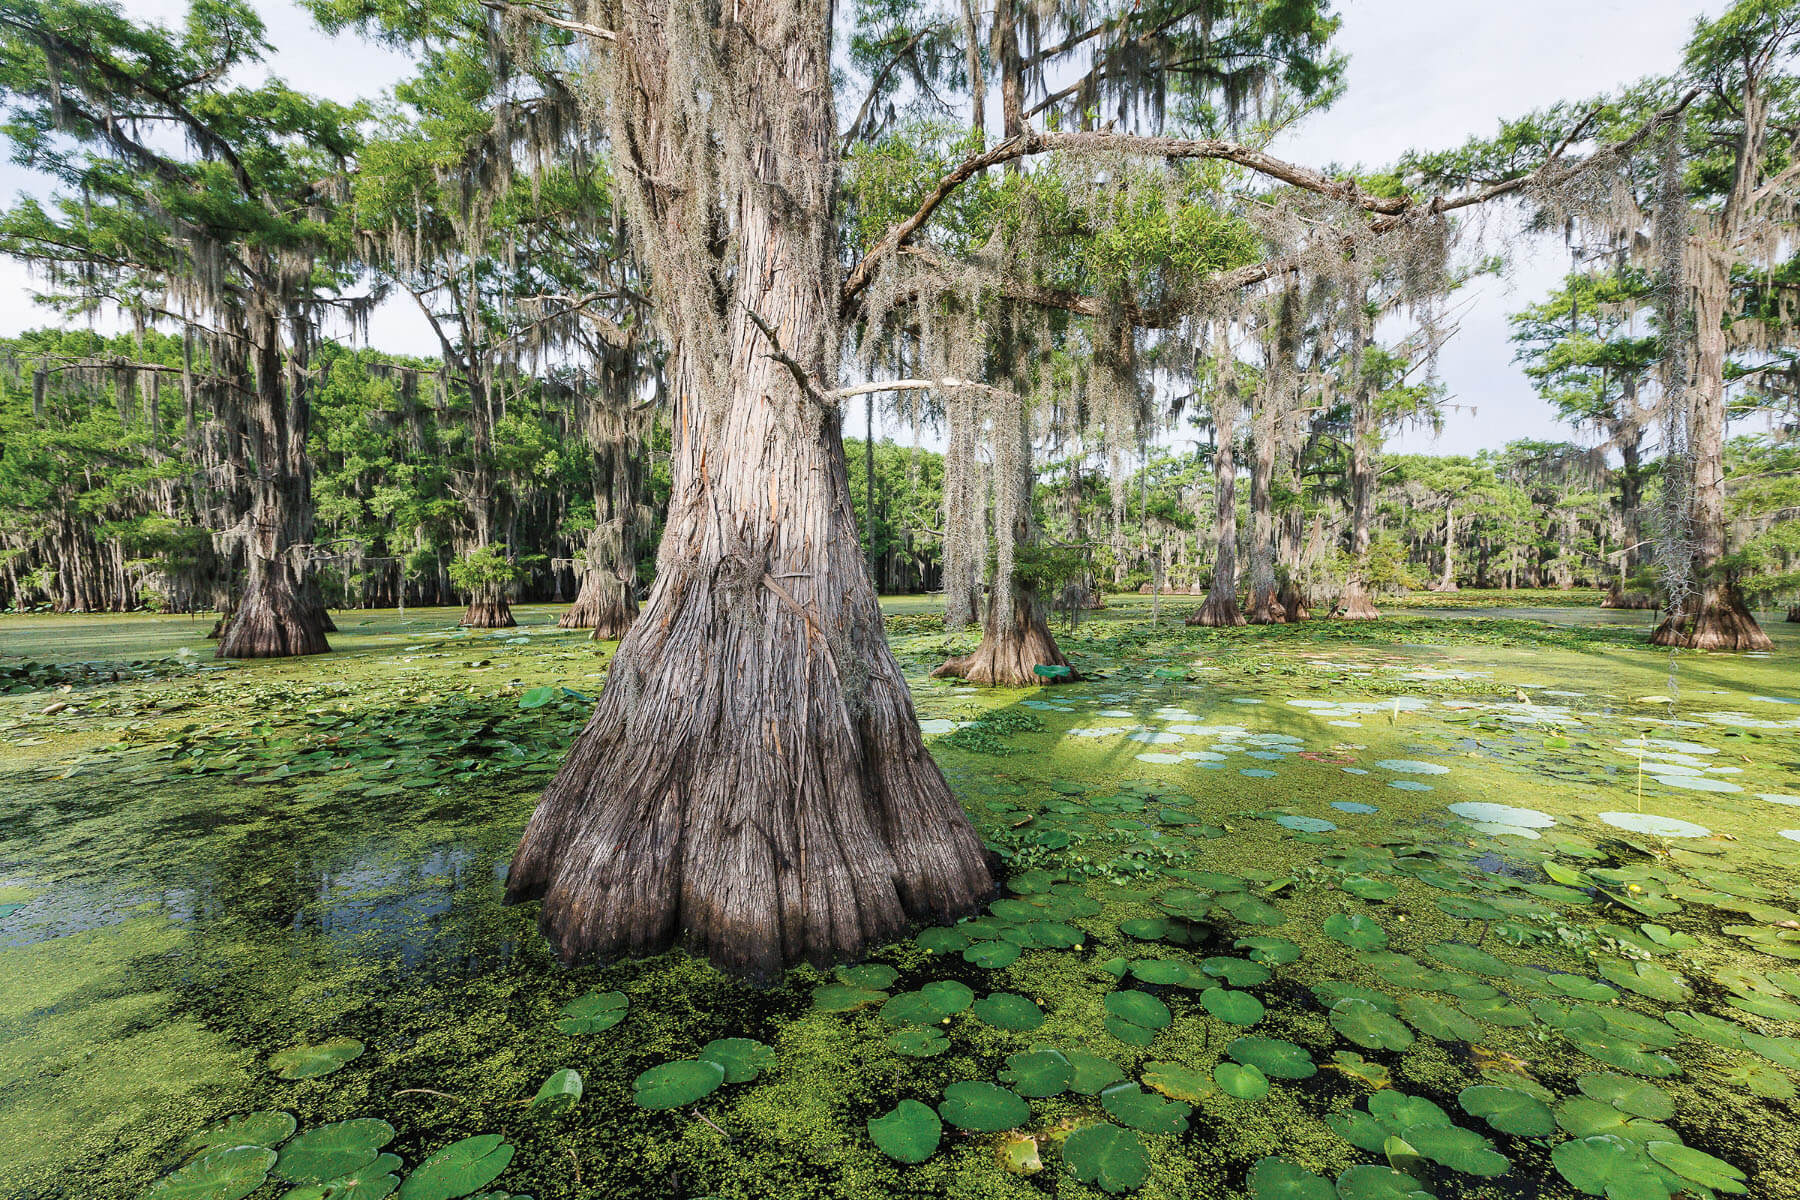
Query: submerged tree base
{"x": 1716, "y": 620}
{"x": 1265, "y": 609}
{"x": 1011, "y": 659}
{"x": 608, "y": 611}
{"x": 261, "y": 628}
{"x": 1294, "y": 605}
{"x": 1794, "y": 614}
{"x": 1618, "y": 597}
{"x": 1219, "y": 610}
{"x": 488, "y": 614}
{"x": 1356, "y": 605}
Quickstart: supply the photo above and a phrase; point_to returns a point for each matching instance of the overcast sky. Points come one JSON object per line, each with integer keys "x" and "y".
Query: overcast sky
{"x": 1423, "y": 73}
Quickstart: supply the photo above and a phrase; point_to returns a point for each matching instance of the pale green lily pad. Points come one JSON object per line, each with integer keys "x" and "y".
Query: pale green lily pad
{"x": 1038, "y": 1073}
{"x": 268, "y": 1129}
{"x": 312, "y": 1062}
{"x": 1509, "y": 1110}
{"x": 593, "y": 1013}
{"x": 560, "y": 1093}
{"x": 1005, "y": 1010}
{"x": 1243, "y": 1081}
{"x": 228, "y": 1174}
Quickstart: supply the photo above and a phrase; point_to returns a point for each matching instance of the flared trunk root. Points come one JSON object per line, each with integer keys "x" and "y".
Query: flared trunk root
{"x": 488, "y": 614}
{"x": 1219, "y": 610}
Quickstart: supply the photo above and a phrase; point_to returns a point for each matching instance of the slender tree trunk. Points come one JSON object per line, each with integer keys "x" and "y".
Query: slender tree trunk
{"x": 1631, "y": 487}
{"x": 275, "y": 618}
{"x": 1356, "y": 604}
{"x": 1447, "y": 579}
{"x": 1015, "y": 631}
{"x": 753, "y": 782}
{"x": 1221, "y": 606}
{"x": 1265, "y": 606}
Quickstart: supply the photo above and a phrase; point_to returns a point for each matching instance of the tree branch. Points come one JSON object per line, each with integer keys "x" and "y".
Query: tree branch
{"x": 531, "y": 12}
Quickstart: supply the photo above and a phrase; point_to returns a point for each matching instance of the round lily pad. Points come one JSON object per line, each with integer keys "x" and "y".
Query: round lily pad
{"x": 1459, "y": 1149}
{"x": 1038, "y": 1073}
{"x": 918, "y": 1043}
{"x": 1241, "y": 1080}
{"x": 743, "y": 1058}
{"x": 1607, "y": 1166}
{"x": 991, "y": 955}
{"x": 838, "y": 998}
{"x": 1366, "y": 1181}
{"x": 983, "y": 1107}
{"x": 1273, "y": 1057}
{"x": 1111, "y": 1158}
{"x": 1355, "y": 931}
{"x": 311, "y": 1062}
{"x": 228, "y": 1174}
{"x": 908, "y": 1134}
{"x": 1509, "y": 1110}
{"x": 1278, "y": 1179}
{"x": 1369, "y": 1027}
{"x": 376, "y": 1179}
{"x": 1177, "y": 1082}
{"x": 459, "y": 1169}
{"x": 1005, "y": 1010}
{"x": 1130, "y": 1105}
{"x": 330, "y": 1151}
{"x": 1138, "y": 1008}
{"x": 1634, "y": 1096}
{"x": 1234, "y": 1008}
{"x": 268, "y": 1129}
{"x": 676, "y": 1083}
{"x": 874, "y": 976}
{"x": 1093, "y": 1074}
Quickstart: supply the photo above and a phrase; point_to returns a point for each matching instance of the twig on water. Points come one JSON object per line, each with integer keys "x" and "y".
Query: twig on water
{"x": 709, "y": 1121}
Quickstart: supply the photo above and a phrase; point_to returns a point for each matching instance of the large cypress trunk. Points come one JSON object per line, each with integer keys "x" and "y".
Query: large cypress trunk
{"x": 1713, "y": 616}
{"x": 1221, "y": 606}
{"x": 1015, "y": 642}
{"x": 605, "y": 605}
{"x": 276, "y": 617}
{"x": 753, "y": 782}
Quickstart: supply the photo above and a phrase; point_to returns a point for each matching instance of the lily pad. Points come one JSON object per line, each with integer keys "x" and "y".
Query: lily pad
{"x": 1459, "y": 1149}
{"x": 1366, "y": 1181}
{"x": 1234, "y": 1008}
{"x": 459, "y": 1169}
{"x": 1369, "y": 1027}
{"x": 228, "y": 1174}
{"x": 597, "y": 1012}
{"x": 1138, "y": 1008}
{"x": 1273, "y": 1057}
{"x": 1241, "y": 1081}
{"x": 1111, "y": 1158}
{"x": 1004, "y": 1010}
{"x": 743, "y": 1058}
{"x": 1093, "y": 1074}
{"x": 1146, "y": 1111}
{"x": 267, "y": 1129}
{"x": 918, "y": 1043}
{"x": 560, "y": 1093}
{"x": 376, "y": 1179}
{"x": 840, "y": 998}
{"x": 1509, "y": 1110}
{"x": 983, "y": 1107}
{"x": 1278, "y": 1179}
{"x": 1608, "y": 1166}
{"x": 674, "y": 1084}
{"x": 1178, "y": 1082}
{"x": 1699, "y": 1167}
{"x": 314, "y": 1061}
{"x": 1355, "y": 931}
{"x": 331, "y": 1151}
{"x": 1634, "y": 1096}
{"x": 1038, "y": 1073}
{"x": 908, "y": 1134}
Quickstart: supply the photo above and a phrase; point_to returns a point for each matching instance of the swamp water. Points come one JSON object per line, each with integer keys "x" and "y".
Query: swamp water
{"x": 1484, "y": 900}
